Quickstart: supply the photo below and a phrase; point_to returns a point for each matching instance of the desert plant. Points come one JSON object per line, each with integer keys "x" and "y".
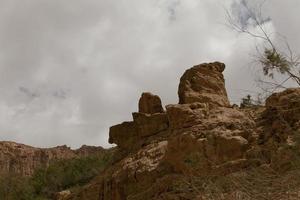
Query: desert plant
{"x": 274, "y": 58}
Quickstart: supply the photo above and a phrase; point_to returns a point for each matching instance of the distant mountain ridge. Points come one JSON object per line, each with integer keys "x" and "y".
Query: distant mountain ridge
{"x": 24, "y": 160}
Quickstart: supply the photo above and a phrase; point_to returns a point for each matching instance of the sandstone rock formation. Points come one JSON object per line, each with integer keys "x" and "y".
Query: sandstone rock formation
{"x": 197, "y": 136}
{"x": 150, "y": 104}
{"x": 287, "y": 103}
{"x": 149, "y": 121}
{"x": 205, "y": 84}
{"x": 278, "y": 129}
{"x": 23, "y": 160}
{"x": 170, "y": 154}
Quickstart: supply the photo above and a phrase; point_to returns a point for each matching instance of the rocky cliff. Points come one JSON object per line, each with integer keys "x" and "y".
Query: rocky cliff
{"x": 22, "y": 159}
{"x": 173, "y": 153}
{"x": 202, "y": 147}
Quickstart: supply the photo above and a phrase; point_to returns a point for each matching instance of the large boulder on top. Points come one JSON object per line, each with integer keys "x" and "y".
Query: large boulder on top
{"x": 204, "y": 83}
{"x": 150, "y": 104}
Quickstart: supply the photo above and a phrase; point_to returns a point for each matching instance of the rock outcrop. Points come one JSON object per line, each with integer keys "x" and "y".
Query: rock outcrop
{"x": 204, "y": 83}
{"x": 23, "y": 160}
{"x": 197, "y": 136}
{"x": 149, "y": 121}
{"x": 150, "y": 104}
{"x": 170, "y": 154}
{"x": 278, "y": 129}
{"x": 287, "y": 103}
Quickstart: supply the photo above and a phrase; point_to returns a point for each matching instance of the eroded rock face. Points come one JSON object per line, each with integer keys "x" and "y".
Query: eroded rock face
{"x": 128, "y": 179}
{"x": 23, "y": 160}
{"x": 199, "y": 137}
{"x": 186, "y": 115}
{"x": 125, "y": 135}
{"x": 281, "y": 117}
{"x": 150, "y": 104}
{"x": 287, "y": 103}
{"x": 278, "y": 128}
{"x": 149, "y": 121}
{"x": 204, "y": 83}
{"x": 148, "y": 125}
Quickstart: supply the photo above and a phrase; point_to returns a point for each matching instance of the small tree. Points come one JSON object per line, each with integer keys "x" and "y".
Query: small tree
{"x": 246, "y": 102}
{"x": 271, "y": 58}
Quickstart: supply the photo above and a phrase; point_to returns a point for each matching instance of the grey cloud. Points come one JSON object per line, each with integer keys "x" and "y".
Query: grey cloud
{"x": 87, "y": 62}
{"x": 245, "y": 11}
{"x": 28, "y": 93}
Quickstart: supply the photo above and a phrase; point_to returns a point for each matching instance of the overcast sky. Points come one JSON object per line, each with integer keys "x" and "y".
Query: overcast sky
{"x": 69, "y": 69}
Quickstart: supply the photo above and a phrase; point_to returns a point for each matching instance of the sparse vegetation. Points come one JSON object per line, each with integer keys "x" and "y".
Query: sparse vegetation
{"x": 274, "y": 55}
{"x": 246, "y": 102}
{"x": 60, "y": 175}
{"x": 249, "y": 102}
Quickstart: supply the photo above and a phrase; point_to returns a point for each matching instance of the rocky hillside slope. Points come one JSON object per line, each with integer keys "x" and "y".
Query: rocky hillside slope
{"x": 204, "y": 148}
{"x": 22, "y": 159}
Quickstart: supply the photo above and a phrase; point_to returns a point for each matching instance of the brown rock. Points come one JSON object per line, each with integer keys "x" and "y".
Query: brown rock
{"x": 186, "y": 115}
{"x": 150, "y": 104}
{"x": 228, "y": 148}
{"x": 286, "y": 104}
{"x": 63, "y": 195}
{"x": 151, "y": 120}
{"x": 132, "y": 176}
{"x": 284, "y": 98}
{"x": 149, "y": 125}
{"x": 86, "y": 150}
{"x": 125, "y": 135}
{"x": 189, "y": 155}
{"x": 204, "y": 83}
{"x": 280, "y": 119}
{"x": 186, "y": 154}
{"x": 170, "y": 154}
{"x": 131, "y": 135}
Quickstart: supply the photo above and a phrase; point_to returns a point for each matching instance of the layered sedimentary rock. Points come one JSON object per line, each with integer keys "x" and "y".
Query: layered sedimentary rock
{"x": 199, "y": 137}
{"x": 149, "y": 121}
{"x": 23, "y": 160}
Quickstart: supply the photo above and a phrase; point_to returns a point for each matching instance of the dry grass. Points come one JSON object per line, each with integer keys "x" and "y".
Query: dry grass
{"x": 253, "y": 184}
